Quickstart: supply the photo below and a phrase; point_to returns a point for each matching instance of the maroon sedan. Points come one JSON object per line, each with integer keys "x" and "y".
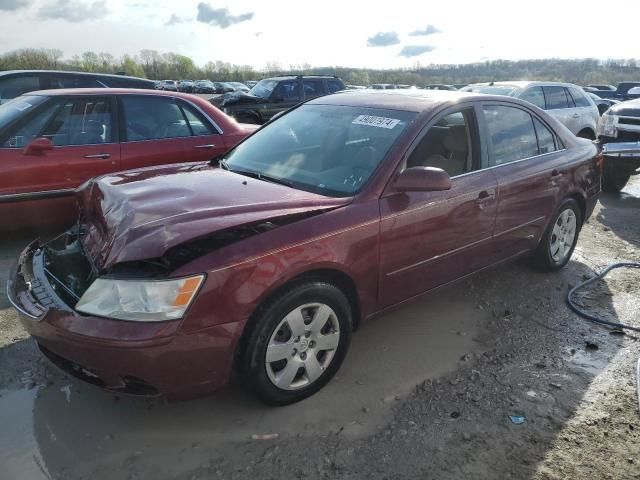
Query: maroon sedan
{"x": 266, "y": 261}
{"x": 53, "y": 141}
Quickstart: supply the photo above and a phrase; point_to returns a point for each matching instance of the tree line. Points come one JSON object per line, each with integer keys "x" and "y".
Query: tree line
{"x": 159, "y": 66}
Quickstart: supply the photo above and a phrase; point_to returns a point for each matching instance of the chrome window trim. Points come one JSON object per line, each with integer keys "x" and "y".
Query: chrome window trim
{"x": 17, "y": 197}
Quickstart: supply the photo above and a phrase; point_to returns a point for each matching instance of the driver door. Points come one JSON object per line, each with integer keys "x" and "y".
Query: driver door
{"x": 428, "y": 239}
{"x": 37, "y": 188}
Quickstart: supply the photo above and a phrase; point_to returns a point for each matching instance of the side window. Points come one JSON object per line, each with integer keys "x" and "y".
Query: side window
{"x": 579, "y": 98}
{"x": 81, "y": 121}
{"x": 153, "y": 118}
{"x": 448, "y": 145}
{"x": 26, "y": 132}
{"x": 546, "y": 140}
{"x": 334, "y": 86}
{"x": 15, "y": 86}
{"x": 313, "y": 88}
{"x": 511, "y": 133}
{"x": 534, "y": 95}
{"x": 555, "y": 98}
{"x": 289, "y": 90}
{"x": 197, "y": 122}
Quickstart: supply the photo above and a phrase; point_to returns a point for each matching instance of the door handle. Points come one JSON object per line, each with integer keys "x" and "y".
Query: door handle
{"x": 484, "y": 197}
{"x": 205, "y": 147}
{"x": 103, "y": 156}
{"x": 576, "y": 115}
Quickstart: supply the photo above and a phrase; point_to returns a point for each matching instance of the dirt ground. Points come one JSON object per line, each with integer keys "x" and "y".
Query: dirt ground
{"x": 426, "y": 391}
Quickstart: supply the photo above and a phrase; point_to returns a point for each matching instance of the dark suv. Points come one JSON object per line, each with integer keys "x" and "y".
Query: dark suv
{"x": 14, "y": 83}
{"x": 276, "y": 94}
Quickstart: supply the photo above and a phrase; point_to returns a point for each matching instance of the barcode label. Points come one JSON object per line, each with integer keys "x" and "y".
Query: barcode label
{"x": 373, "y": 121}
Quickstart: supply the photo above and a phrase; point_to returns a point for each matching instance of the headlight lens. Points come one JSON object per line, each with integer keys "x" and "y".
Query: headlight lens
{"x": 607, "y": 125}
{"x": 140, "y": 300}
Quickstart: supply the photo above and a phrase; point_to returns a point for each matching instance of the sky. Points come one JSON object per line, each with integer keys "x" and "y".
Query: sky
{"x": 328, "y": 32}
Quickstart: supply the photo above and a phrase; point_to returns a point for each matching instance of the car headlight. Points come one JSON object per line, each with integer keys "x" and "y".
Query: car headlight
{"x": 607, "y": 125}
{"x": 140, "y": 300}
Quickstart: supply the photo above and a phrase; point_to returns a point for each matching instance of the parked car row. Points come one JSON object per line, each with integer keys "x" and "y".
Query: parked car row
{"x": 200, "y": 86}
{"x": 263, "y": 260}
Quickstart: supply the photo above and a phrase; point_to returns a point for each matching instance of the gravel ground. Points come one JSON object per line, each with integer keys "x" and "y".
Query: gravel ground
{"x": 528, "y": 391}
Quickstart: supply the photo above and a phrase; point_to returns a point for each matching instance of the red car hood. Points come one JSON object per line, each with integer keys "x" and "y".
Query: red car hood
{"x": 140, "y": 214}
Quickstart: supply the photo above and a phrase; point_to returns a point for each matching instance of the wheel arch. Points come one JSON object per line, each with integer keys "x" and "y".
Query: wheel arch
{"x": 587, "y": 132}
{"x": 329, "y": 274}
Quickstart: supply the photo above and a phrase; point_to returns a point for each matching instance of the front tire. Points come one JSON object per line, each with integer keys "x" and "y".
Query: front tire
{"x": 559, "y": 240}
{"x": 298, "y": 343}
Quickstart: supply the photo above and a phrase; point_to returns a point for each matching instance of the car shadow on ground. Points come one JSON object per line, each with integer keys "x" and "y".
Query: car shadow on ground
{"x": 617, "y": 213}
{"x": 476, "y": 351}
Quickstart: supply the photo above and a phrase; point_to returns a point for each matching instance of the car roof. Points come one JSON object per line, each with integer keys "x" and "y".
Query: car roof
{"x": 407, "y": 100}
{"x": 66, "y": 72}
{"x": 522, "y": 84}
{"x": 59, "y": 92}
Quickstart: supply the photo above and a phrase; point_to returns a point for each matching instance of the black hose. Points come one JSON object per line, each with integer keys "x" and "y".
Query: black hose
{"x": 599, "y": 276}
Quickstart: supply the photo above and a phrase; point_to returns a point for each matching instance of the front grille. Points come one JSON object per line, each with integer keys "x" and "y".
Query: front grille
{"x": 629, "y": 120}
{"x": 624, "y": 136}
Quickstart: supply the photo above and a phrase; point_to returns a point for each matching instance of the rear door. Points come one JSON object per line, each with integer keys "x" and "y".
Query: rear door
{"x": 588, "y": 112}
{"x": 39, "y": 188}
{"x": 530, "y": 167}
{"x": 158, "y": 130}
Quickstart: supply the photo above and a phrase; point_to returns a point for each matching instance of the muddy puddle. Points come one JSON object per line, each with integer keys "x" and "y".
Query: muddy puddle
{"x": 72, "y": 427}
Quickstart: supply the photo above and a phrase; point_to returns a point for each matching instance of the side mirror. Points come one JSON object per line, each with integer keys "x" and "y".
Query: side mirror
{"x": 38, "y": 146}
{"x": 423, "y": 179}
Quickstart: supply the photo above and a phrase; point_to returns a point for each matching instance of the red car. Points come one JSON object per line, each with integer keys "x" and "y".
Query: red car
{"x": 53, "y": 141}
{"x": 265, "y": 262}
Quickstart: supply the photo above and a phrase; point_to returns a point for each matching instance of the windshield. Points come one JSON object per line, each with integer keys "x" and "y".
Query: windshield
{"x": 17, "y": 107}
{"x": 491, "y": 89}
{"x": 263, "y": 88}
{"x": 327, "y": 149}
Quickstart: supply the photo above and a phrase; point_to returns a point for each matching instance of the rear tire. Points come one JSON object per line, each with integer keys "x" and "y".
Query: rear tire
{"x": 297, "y": 343}
{"x": 559, "y": 240}
{"x": 613, "y": 179}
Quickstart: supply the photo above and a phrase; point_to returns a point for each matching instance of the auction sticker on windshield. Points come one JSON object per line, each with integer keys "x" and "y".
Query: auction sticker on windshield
{"x": 373, "y": 121}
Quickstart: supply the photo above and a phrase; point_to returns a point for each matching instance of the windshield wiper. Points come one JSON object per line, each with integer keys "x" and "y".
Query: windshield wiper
{"x": 258, "y": 175}
{"x": 280, "y": 181}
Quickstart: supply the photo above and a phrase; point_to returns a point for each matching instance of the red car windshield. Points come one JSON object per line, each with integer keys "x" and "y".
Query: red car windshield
{"x": 327, "y": 149}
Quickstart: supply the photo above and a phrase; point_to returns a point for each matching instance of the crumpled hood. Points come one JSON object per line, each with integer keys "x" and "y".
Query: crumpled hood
{"x": 140, "y": 214}
{"x": 236, "y": 98}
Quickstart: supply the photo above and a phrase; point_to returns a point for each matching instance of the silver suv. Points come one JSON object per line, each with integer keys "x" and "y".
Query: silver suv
{"x": 565, "y": 101}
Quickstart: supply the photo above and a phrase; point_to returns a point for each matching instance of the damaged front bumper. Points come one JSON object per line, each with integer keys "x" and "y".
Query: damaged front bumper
{"x": 150, "y": 358}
